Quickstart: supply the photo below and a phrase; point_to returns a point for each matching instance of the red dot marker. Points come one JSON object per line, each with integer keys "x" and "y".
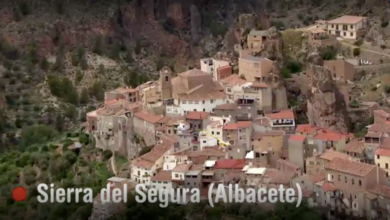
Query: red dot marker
{"x": 19, "y": 194}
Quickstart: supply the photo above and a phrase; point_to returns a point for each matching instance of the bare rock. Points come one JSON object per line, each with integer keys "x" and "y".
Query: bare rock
{"x": 196, "y": 24}
{"x": 325, "y": 104}
{"x": 375, "y": 36}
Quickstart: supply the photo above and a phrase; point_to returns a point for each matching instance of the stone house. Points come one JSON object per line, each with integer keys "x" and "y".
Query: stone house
{"x": 296, "y": 149}
{"x": 162, "y": 180}
{"x": 283, "y": 120}
{"x": 128, "y": 94}
{"x": 145, "y": 125}
{"x": 254, "y": 69}
{"x": 239, "y": 111}
{"x": 256, "y": 40}
{"x": 224, "y": 166}
{"x": 346, "y": 185}
{"x": 197, "y": 120}
{"x": 380, "y": 202}
{"x": 149, "y": 164}
{"x": 316, "y": 164}
{"x": 112, "y": 126}
{"x": 238, "y": 134}
{"x": 341, "y": 70}
{"x": 320, "y": 37}
{"x": 267, "y": 148}
{"x": 355, "y": 149}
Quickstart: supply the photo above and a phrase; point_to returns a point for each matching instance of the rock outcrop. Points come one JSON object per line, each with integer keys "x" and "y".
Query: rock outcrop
{"x": 375, "y": 36}
{"x": 196, "y": 24}
{"x": 273, "y": 48}
{"x": 326, "y": 106}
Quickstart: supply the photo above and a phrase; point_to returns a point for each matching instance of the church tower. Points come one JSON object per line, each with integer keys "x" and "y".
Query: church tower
{"x": 166, "y": 83}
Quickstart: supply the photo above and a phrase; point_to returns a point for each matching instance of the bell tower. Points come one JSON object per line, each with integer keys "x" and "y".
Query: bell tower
{"x": 166, "y": 83}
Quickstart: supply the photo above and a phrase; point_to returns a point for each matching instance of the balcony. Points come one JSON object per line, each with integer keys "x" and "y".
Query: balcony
{"x": 283, "y": 123}
{"x": 243, "y": 117}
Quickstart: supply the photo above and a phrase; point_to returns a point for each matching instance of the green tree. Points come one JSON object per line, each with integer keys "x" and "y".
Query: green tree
{"x": 36, "y": 134}
{"x": 98, "y": 47}
{"x": 84, "y": 96}
{"x": 356, "y": 52}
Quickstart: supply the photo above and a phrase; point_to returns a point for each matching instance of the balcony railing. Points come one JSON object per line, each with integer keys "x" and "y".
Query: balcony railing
{"x": 281, "y": 123}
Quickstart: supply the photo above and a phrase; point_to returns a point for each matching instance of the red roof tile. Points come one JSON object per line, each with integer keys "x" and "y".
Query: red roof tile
{"x": 164, "y": 176}
{"x": 299, "y": 138}
{"x": 237, "y": 125}
{"x": 328, "y": 187}
{"x": 350, "y": 167}
{"x": 383, "y": 152}
{"x": 197, "y": 115}
{"x": 230, "y": 164}
{"x": 146, "y": 116}
{"x": 307, "y": 129}
{"x": 382, "y": 190}
{"x": 286, "y": 114}
{"x": 259, "y": 85}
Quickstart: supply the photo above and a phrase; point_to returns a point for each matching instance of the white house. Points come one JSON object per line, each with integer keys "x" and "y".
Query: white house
{"x": 178, "y": 173}
{"x": 146, "y": 166}
{"x": 347, "y": 26}
{"x": 210, "y": 66}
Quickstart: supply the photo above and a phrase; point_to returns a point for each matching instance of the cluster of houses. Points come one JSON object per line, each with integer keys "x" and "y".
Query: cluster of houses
{"x": 209, "y": 125}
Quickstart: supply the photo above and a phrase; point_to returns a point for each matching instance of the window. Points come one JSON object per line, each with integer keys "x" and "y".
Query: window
{"x": 345, "y": 34}
{"x": 387, "y": 166}
{"x": 303, "y": 182}
{"x": 204, "y": 109}
{"x": 166, "y": 78}
{"x": 351, "y": 26}
{"x": 351, "y": 34}
{"x": 339, "y": 178}
{"x": 332, "y": 26}
{"x": 378, "y": 156}
{"x": 379, "y": 165}
{"x": 353, "y": 182}
{"x": 346, "y": 179}
{"x": 177, "y": 175}
{"x": 360, "y": 182}
{"x": 211, "y": 100}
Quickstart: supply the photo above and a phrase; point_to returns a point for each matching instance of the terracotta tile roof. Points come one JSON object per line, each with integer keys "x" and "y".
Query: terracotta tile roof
{"x": 233, "y": 80}
{"x": 298, "y": 138}
{"x": 329, "y": 136}
{"x": 149, "y": 159}
{"x": 164, "y": 120}
{"x": 382, "y": 113}
{"x": 228, "y": 106}
{"x": 331, "y": 154}
{"x": 286, "y": 166}
{"x": 382, "y": 127}
{"x": 175, "y": 120}
{"x": 307, "y": 129}
{"x": 346, "y": 19}
{"x": 382, "y": 190}
{"x": 259, "y": 85}
{"x": 169, "y": 139}
{"x": 237, "y": 125}
{"x": 146, "y": 116}
{"x": 316, "y": 30}
{"x": 314, "y": 178}
{"x": 279, "y": 177}
{"x": 230, "y": 164}
{"x": 355, "y": 146}
{"x": 259, "y": 135}
{"x": 163, "y": 176}
{"x": 196, "y": 167}
{"x": 350, "y": 167}
{"x": 383, "y": 152}
{"x": 182, "y": 167}
{"x": 329, "y": 187}
{"x": 285, "y": 114}
{"x": 193, "y": 72}
{"x": 197, "y": 115}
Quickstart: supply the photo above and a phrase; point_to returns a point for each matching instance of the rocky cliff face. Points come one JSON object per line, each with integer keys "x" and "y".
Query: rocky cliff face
{"x": 325, "y": 104}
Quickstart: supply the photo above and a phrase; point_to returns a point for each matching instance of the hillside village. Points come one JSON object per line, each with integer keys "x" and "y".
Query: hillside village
{"x": 225, "y": 123}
